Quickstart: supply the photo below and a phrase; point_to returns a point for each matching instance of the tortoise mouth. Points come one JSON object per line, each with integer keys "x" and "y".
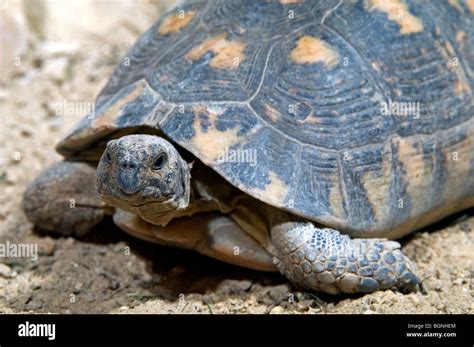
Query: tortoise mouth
{"x": 147, "y": 195}
{"x": 152, "y": 209}
{"x": 128, "y": 195}
{"x": 143, "y": 196}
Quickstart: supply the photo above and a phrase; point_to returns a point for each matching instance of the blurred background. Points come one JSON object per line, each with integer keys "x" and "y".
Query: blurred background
{"x": 56, "y": 52}
{"x": 41, "y": 29}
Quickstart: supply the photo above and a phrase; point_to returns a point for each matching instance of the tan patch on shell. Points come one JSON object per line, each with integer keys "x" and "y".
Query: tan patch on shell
{"x": 470, "y": 5}
{"x": 450, "y": 49}
{"x": 375, "y": 65}
{"x": 455, "y": 3}
{"x": 271, "y": 112}
{"x": 377, "y": 188}
{"x": 274, "y": 192}
{"x": 227, "y": 53}
{"x": 461, "y": 86}
{"x": 336, "y": 200}
{"x": 212, "y": 143}
{"x": 174, "y": 22}
{"x": 418, "y": 168}
{"x": 397, "y": 11}
{"x": 311, "y": 50}
{"x": 312, "y": 119}
{"x": 107, "y": 119}
{"x": 460, "y": 36}
{"x": 458, "y": 158}
{"x": 407, "y": 155}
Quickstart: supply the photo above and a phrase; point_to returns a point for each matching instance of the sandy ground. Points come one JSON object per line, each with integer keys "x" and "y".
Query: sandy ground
{"x": 110, "y": 272}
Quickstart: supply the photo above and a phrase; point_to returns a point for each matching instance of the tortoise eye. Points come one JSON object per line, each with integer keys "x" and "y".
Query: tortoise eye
{"x": 159, "y": 162}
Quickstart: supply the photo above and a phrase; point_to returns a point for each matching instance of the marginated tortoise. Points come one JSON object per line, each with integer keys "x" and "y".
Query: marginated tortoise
{"x": 291, "y": 136}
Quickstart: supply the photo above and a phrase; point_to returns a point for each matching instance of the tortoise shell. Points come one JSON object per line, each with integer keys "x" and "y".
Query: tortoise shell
{"x": 359, "y": 114}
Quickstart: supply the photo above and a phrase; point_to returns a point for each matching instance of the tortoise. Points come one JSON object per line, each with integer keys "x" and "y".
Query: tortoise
{"x": 293, "y": 136}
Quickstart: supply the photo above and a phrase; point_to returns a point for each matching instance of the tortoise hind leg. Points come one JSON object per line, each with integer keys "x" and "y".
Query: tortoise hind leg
{"x": 323, "y": 259}
{"x": 63, "y": 199}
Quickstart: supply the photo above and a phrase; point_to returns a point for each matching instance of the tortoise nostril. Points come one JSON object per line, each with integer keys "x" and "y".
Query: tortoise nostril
{"x": 128, "y": 165}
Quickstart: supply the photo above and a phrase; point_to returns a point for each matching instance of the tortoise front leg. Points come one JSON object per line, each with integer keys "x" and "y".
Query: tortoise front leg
{"x": 63, "y": 199}
{"x": 323, "y": 259}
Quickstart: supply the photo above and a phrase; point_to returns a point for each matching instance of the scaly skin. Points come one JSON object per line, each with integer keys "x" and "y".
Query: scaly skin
{"x": 325, "y": 260}
{"x": 63, "y": 199}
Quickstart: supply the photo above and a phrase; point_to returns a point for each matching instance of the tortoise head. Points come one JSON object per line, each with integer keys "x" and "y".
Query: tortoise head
{"x": 144, "y": 174}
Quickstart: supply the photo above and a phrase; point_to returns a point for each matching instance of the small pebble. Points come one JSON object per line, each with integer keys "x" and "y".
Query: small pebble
{"x": 36, "y": 286}
{"x": 279, "y": 293}
{"x": 414, "y": 299}
{"x": 277, "y": 310}
{"x": 25, "y": 133}
{"x": 7, "y": 272}
{"x": 47, "y": 247}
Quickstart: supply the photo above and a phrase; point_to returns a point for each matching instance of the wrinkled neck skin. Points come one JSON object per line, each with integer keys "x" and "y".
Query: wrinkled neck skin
{"x": 206, "y": 191}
